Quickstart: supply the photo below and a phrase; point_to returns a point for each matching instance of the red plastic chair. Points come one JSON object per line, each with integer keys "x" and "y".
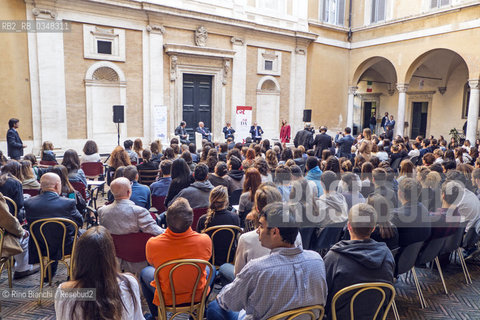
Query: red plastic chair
{"x": 32, "y": 192}
{"x": 92, "y": 170}
{"x": 80, "y": 187}
{"x": 197, "y": 213}
{"x": 159, "y": 203}
{"x": 131, "y": 247}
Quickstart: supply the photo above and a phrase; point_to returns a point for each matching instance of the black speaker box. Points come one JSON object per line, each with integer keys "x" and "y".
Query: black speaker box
{"x": 307, "y": 115}
{"x": 118, "y": 115}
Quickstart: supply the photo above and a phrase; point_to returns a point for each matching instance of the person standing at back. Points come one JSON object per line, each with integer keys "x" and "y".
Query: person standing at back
{"x": 322, "y": 141}
{"x": 15, "y": 145}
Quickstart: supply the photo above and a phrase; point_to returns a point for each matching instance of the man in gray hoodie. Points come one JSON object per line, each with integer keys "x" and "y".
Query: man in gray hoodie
{"x": 358, "y": 260}
{"x": 198, "y": 192}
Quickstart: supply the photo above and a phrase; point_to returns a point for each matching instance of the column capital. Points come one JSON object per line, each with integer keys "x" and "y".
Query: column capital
{"x": 154, "y": 28}
{"x": 474, "y": 84}
{"x": 402, "y": 87}
{"x": 352, "y": 89}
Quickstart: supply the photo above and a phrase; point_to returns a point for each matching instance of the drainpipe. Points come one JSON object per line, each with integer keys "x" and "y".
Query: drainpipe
{"x": 349, "y": 38}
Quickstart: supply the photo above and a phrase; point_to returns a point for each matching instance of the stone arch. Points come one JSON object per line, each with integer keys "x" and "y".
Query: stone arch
{"x": 265, "y": 84}
{"x": 371, "y": 62}
{"x": 420, "y": 60}
{"x": 105, "y": 69}
{"x": 268, "y": 106}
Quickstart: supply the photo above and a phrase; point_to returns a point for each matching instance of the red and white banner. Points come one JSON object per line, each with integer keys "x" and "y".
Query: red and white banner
{"x": 243, "y": 121}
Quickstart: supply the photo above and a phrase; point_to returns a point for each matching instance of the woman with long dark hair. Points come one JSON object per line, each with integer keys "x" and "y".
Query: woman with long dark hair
{"x": 181, "y": 178}
{"x": 95, "y": 267}
{"x": 11, "y": 185}
{"x": 71, "y": 161}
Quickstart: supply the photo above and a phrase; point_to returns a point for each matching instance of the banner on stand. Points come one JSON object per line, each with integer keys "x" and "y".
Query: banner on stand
{"x": 160, "y": 123}
{"x": 243, "y": 121}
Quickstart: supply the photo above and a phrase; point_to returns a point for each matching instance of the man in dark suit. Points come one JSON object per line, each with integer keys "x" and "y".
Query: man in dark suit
{"x": 304, "y": 137}
{"x": 182, "y": 133}
{"x": 385, "y": 121}
{"x": 322, "y": 141}
{"x": 256, "y": 132}
{"x": 228, "y": 131}
{"x": 345, "y": 143}
{"x": 204, "y": 131}
{"x": 49, "y": 204}
{"x": 14, "y": 143}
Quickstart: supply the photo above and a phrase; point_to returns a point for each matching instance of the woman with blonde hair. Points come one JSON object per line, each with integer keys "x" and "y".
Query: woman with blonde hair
{"x": 119, "y": 157}
{"x": 138, "y": 148}
{"x": 28, "y": 177}
{"x": 218, "y": 215}
{"x": 365, "y": 149}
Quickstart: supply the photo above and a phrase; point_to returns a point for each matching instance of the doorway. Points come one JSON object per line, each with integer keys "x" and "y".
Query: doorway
{"x": 419, "y": 119}
{"x": 369, "y": 109}
{"x": 197, "y": 102}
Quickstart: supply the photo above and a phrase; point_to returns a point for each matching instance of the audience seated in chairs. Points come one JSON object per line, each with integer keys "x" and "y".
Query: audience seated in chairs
{"x": 49, "y": 204}
{"x": 29, "y": 181}
{"x": 181, "y": 179}
{"x": 11, "y": 185}
{"x": 140, "y": 193}
{"x": 178, "y": 242}
{"x": 197, "y": 194}
{"x": 219, "y": 176}
{"x": 128, "y": 144}
{"x": 46, "y": 153}
{"x": 90, "y": 152}
{"x": 218, "y": 215}
{"x": 18, "y": 236}
{"x": 147, "y": 164}
{"x": 246, "y": 294}
{"x": 72, "y": 162}
{"x": 67, "y": 189}
{"x": 118, "y": 158}
{"x": 236, "y": 176}
{"x": 358, "y": 260}
{"x": 160, "y": 187}
{"x": 124, "y": 217}
{"x": 250, "y": 186}
{"x": 95, "y": 267}
{"x": 412, "y": 218}
{"x": 331, "y": 203}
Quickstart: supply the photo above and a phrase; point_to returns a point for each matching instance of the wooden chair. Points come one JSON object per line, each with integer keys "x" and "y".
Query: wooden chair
{"x": 195, "y": 309}
{"x": 5, "y": 261}
{"x": 147, "y": 177}
{"x": 212, "y": 231}
{"x": 45, "y": 261}
{"x": 13, "y": 205}
{"x": 292, "y": 314}
{"x": 92, "y": 170}
{"x": 357, "y": 289}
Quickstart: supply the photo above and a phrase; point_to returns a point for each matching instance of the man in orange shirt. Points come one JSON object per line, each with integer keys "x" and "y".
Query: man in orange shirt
{"x": 178, "y": 242}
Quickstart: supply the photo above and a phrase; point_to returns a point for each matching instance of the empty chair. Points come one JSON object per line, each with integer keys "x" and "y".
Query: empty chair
{"x": 405, "y": 262}
{"x": 92, "y": 170}
{"x": 453, "y": 243}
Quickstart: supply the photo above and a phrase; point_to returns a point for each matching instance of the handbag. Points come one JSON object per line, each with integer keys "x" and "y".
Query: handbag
{"x": 11, "y": 245}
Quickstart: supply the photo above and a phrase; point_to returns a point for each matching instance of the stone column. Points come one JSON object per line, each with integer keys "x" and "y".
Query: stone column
{"x": 402, "y": 100}
{"x": 472, "y": 120}
{"x": 239, "y": 76}
{"x": 351, "y": 95}
{"x": 155, "y": 79}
